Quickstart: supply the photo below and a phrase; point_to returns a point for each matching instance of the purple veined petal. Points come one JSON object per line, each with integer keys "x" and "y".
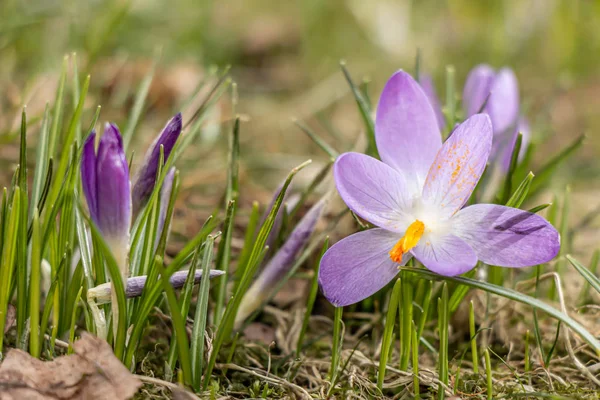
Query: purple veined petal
{"x": 145, "y": 177}
{"x": 373, "y": 190}
{"x": 505, "y": 236}
{"x": 459, "y": 165}
{"x": 503, "y": 104}
{"x": 406, "y": 129}
{"x": 88, "y": 175}
{"x": 477, "y": 88}
{"x": 165, "y": 197}
{"x": 447, "y": 255}
{"x": 280, "y": 264}
{"x": 358, "y": 266}
{"x": 429, "y": 88}
{"x": 113, "y": 186}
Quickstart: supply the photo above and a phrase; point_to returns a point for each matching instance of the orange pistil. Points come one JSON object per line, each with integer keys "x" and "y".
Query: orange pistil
{"x": 408, "y": 241}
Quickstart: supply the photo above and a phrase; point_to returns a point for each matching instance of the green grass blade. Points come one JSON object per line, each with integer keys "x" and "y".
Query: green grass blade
{"x": 588, "y": 275}
{"x": 201, "y": 316}
{"x": 388, "y": 332}
{"x": 520, "y": 194}
{"x": 511, "y": 294}
{"x": 330, "y": 151}
{"x": 178, "y": 324}
{"x": 9, "y": 250}
{"x": 546, "y": 172}
{"x": 138, "y": 106}
{"x": 35, "y": 287}
{"x": 312, "y": 296}
{"x": 226, "y": 325}
{"x": 58, "y": 110}
{"x": 365, "y": 112}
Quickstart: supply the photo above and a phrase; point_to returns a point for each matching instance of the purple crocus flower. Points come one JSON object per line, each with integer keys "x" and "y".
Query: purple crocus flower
{"x": 415, "y": 196}
{"x": 145, "y": 178}
{"x": 496, "y": 94}
{"x": 106, "y": 186}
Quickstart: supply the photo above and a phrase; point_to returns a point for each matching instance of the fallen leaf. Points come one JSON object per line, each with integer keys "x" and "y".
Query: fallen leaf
{"x": 11, "y": 316}
{"x": 92, "y": 373}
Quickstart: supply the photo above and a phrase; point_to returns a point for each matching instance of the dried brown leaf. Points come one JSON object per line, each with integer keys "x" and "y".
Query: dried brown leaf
{"x": 11, "y": 317}
{"x": 92, "y": 373}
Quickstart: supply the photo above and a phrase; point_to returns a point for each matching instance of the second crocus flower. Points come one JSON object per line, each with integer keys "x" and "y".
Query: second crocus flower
{"x": 496, "y": 93}
{"x": 145, "y": 178}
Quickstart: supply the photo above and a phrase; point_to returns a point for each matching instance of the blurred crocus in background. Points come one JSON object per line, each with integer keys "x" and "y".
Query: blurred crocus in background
{"x": 145, "y": 177}
{"x": 415, "y": 196}
{"x": 281, "y": 262}
{"x": 496, "y": 93}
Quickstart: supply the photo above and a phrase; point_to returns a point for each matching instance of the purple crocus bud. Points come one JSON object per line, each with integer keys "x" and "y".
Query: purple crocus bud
{"x": 429, "y": 88}
{"x": 106, "y": 186}
{"x": 145, "y": 177}
{"x": 416, "y": 200}
{"x": 281, "y": 262}
{"x": 135, "y": 285}
{"x": 477, "y": 89}
{"x": 498, "y": 92}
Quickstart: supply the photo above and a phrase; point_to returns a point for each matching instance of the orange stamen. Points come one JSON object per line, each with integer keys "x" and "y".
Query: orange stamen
{"x": 408, "y": 241}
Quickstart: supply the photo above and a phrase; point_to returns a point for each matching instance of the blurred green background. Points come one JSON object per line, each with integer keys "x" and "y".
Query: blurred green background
{"x": 285, "y": 57}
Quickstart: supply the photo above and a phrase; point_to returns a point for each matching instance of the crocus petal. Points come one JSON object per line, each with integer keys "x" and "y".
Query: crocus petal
{"x": 429, "y": 88}
{"x": 459, "y": 165}
{"x": 358, "y": 266}
{"x": 373, "y": 190}
{"x": 506, "y": 236}
{"x": 446, "y": 255}
{"x": 88, "y": 175}
{"x": 503, "y": 104}
{"x": 113, "y": 187}
{"x": 406, "y": 129}
{"x": 477, "y": 88}
{"x": 146, "y": 176}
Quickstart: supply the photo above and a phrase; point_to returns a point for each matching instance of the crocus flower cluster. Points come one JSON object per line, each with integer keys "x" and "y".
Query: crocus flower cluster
{"x": 415, "y": 196}
{"x": 496, "y": 93}
{"x": 107, "y": 189}
{"x": 105, "y": 177}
